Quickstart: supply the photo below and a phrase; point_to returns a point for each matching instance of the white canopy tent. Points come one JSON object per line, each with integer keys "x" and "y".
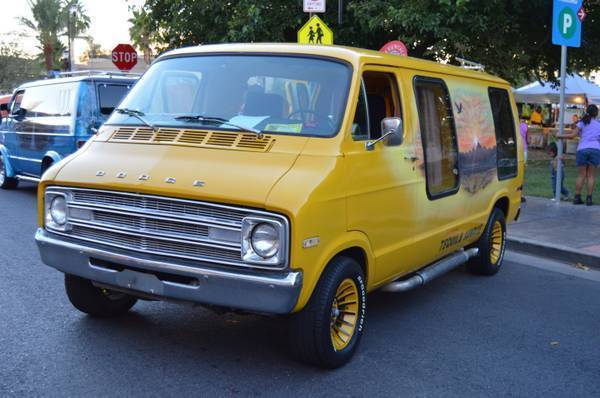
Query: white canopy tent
{"x": 577, "y": 91}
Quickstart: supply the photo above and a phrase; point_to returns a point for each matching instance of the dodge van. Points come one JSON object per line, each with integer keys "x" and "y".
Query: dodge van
{"x": 286, "y": 179}
{"x": 50, "y": 119}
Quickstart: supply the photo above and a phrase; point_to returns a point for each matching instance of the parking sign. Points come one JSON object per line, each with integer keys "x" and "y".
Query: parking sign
{"x": 566, "y": 25}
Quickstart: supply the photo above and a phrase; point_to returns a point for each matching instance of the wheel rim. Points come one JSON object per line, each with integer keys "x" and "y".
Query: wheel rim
{"x": 344, "y": 314}
{"x": 2, "y": 173}
{"x": 496, "y": 242}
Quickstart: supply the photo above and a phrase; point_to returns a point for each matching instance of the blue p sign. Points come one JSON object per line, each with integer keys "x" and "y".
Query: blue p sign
{"x": 566, "y": 27}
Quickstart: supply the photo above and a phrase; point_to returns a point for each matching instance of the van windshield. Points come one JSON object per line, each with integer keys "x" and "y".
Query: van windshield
{"x": 274, "y": 94}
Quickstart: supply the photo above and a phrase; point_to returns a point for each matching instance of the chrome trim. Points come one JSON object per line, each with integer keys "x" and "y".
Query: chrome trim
{"x": 26, "y": 159}
{"x": 257, "y": 291}
{"x": 170, "y": 180}
{"x": 147, "y": 234}
{"x": 27, "y": 178}
{"x": 157, "y": 214}
{"x": 165, "y": 239}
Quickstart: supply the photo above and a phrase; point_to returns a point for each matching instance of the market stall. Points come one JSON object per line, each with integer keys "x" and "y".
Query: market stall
{"x": 578, "y": 93}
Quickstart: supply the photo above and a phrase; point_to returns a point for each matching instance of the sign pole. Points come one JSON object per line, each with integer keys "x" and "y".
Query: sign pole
{"x": 561, "y": 122}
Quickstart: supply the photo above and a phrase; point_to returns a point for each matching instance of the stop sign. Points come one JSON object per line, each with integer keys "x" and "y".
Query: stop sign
{"x": 124, "y": 57}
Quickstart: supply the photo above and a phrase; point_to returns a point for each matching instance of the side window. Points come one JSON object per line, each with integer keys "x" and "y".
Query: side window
{"x": 16, "y": 102}
{"x": 360, "y": 126}
{"x": 378, "y": 99}
{"x": 438, "y": 134}
{"x": 504, "y": 123}
{"x": 109, "y": 96}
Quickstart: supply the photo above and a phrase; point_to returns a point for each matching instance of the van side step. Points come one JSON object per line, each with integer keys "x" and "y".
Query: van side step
{"x": 27, "y": 178}
{"x": 431, "y": 272}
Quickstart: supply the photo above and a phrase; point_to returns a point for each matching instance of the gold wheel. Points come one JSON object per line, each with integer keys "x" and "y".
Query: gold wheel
{"x": 496, "y": 242}
{"x": 344, "y": 314}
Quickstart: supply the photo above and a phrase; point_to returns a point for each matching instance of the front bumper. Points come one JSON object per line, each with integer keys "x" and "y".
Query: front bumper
{"x": 263, "y": 292}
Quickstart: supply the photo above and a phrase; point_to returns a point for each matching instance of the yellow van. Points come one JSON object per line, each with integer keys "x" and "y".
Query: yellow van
{"x": 286, "y": 179}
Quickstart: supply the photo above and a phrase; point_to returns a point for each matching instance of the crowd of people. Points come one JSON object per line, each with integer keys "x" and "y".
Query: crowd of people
{"x": 587, "y": 157}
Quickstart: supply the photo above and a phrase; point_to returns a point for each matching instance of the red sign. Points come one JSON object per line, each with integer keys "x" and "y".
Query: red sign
{"x": 395, "y": 47}
{"x": 581, "y": 14}
{"x": 124, "y": 57}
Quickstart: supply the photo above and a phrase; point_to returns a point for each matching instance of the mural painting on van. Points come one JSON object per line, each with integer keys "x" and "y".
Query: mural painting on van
{"x": 476, "y": 138}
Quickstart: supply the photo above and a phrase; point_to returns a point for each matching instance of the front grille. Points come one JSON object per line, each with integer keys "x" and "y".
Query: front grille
{"x": 157, "y": 225}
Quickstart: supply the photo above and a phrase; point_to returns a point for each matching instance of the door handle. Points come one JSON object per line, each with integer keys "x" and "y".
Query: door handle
{"x": 411, "y": 158}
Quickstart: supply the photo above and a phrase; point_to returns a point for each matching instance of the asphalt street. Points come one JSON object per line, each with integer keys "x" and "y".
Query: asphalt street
{"x": 532, "y": 330}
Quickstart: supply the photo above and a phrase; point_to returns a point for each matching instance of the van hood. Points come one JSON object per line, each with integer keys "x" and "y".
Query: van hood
{"x": 227, "y": 176}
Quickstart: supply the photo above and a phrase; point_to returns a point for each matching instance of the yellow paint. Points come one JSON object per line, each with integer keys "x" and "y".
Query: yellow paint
{"x": 315, "y": 31}
{"x": 373, "y": 202}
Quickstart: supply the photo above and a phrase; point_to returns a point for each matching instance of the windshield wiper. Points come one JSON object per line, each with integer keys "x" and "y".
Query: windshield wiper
{"x": 136, "y": 114}
{"x": 215, "y": 119}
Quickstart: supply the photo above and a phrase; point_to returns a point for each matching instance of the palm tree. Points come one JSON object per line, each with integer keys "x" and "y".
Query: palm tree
{"x": 52, "y": 18}
{"x": 47, "y": 22}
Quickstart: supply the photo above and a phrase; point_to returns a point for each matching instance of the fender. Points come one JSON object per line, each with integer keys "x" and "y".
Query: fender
{"x": 10, "y": 172}
{"x": 53, "y": 155}
{"x": 345, "y": 241}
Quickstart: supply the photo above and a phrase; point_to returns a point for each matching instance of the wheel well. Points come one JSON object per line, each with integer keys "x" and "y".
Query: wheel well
{"x": 46, "y": 162}
{"x": 358, "y": 255}
{"x": 502, "y": 204}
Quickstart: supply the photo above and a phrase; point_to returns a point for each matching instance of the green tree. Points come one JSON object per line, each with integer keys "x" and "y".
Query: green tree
{"x": 15, "y": 66}
{"x": 50, "y": 19}
{"x": 512, "y": 38}
{"x": 47, "y": 23}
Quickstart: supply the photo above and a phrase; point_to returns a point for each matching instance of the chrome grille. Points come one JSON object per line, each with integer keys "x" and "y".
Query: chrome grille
{"x": 158, "y": 225}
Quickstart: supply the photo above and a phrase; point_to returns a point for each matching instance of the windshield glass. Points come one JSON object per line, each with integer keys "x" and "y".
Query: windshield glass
{"x": 275, "y": 94}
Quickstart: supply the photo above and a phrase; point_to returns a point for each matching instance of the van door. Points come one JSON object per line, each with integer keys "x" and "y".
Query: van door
{"x": 47, "y": 124}
{"x": 9, "y": 127}
{"x": 383, "y": 185}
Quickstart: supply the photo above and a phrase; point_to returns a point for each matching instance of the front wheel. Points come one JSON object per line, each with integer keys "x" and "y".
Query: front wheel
{"x": 491, "y": 246}
{"x": 326, "y": 332}
{"x": 96, "y": 301}
{"x": 5, "y": 181}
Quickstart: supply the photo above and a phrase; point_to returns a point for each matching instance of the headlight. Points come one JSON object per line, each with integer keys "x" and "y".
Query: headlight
{"x": 264, "y": 241}
{"x": 55, "y": 207}
{"x": 58, "y": 210}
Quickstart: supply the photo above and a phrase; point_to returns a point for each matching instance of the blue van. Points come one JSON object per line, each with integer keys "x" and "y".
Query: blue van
{"x": 50, "y": 119}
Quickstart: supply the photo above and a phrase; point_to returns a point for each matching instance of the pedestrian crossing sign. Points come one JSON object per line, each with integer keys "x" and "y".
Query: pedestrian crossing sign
{"x": 315, "y": 31}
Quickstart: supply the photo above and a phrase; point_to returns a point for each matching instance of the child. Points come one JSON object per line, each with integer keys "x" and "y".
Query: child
{"x": 553, "y": 151}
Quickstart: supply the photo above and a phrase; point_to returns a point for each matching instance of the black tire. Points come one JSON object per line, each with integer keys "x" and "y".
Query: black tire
{"x": 96, "y": 301}
{"x": 491, "y": 245}
{"x": 6, "y": 182}
{"x": 313, "y": 330}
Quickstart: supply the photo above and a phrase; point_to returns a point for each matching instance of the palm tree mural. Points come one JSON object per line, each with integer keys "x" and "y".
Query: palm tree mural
{"x": 51, "y": 19}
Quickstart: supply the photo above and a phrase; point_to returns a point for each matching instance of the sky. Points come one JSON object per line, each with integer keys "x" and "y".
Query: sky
{"x": 109, "y": 25}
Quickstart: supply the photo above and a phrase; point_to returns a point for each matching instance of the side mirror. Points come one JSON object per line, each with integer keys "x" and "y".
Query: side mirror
{"x": 391, "y": 132}
{"x": 19, "y": 114}
{"x": 4, "y": 107}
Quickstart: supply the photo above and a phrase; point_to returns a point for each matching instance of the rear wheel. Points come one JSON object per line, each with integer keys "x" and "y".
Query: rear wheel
{"x": 491, "y": 245}
{"x": 326, "y": 332}
{"x": 96, "y": 301}
{"x": 5, "y": 181}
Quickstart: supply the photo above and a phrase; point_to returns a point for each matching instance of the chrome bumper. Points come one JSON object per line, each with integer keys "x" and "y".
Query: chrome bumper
{"x": 274, "y": 293}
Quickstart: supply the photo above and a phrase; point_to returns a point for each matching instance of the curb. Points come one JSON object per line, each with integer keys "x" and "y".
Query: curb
{"x": 556, "y": 252}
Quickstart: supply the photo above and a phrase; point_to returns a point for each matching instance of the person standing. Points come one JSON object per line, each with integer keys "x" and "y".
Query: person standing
{"x": 588, "y": 153}
{"x": 536, "y": 117}
{"x": 524, "y": 129}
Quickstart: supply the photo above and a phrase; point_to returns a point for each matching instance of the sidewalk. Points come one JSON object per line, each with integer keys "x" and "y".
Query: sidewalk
{"x": 563, "y": 232}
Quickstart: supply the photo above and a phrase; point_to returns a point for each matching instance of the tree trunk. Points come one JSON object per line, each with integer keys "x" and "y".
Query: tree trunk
{"x": 49, "y": 56}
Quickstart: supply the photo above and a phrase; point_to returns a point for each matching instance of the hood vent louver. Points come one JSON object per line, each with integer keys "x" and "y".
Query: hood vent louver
{"x": 200, "y": 138}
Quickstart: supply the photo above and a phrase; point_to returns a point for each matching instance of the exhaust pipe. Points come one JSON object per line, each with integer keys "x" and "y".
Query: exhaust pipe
{"x": 431, "y": 272}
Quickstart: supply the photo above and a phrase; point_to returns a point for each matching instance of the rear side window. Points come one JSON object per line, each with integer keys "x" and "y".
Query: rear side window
{"x": 504, "y": 123}
{"x": 438, "y": 134}
{"x": 109, "y": 96}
